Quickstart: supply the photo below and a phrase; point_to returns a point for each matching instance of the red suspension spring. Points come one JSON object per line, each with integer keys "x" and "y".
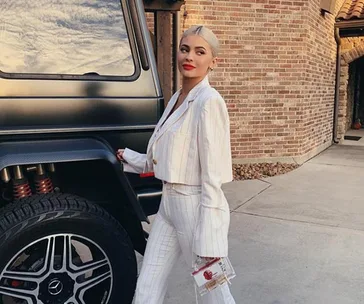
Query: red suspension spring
{"x": 22, "y": 190}
{"x": 44, "y": 185}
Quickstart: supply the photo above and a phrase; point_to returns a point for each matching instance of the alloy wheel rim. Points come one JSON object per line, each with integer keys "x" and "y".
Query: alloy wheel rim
{"x": 60, "y": 268}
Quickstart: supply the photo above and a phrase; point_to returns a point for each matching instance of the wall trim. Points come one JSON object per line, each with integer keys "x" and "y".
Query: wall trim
{"x": 300, "y": 159}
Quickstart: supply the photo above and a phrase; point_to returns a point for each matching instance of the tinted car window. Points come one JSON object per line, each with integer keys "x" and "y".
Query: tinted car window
{"x": 64, "y": 37}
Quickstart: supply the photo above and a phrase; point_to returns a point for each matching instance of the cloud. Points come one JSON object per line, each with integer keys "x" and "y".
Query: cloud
{"x": 64, "y": 37}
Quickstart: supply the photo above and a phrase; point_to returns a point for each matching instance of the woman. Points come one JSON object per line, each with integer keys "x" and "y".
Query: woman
{"x": 190, "y": 152}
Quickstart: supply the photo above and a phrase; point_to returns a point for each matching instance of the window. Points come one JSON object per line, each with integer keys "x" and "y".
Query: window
{"x": 71, "y": 37}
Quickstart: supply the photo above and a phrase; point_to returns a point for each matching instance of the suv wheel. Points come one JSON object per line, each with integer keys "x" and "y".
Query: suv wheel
{"x": 59, "y": 248}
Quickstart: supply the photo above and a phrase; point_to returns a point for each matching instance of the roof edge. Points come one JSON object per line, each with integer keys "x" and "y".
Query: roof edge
{"x": 350, "y": 24}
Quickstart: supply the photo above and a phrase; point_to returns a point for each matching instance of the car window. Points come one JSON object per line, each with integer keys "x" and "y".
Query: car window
{"x": 71, "y": 37}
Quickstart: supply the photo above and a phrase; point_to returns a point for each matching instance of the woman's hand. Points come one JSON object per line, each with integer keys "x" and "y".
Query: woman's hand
{"x": 207, "y": 258}
{"x": 119, "y": 155}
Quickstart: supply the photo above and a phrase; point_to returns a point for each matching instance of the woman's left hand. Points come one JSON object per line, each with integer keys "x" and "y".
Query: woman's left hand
{"x": 207, "y": 258}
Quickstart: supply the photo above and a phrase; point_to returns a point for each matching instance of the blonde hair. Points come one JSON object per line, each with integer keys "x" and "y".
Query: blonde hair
{"x": 206, "y": 34}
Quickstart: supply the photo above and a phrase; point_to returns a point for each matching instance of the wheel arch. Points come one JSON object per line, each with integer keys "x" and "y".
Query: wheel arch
{"x": 85, "y": 152}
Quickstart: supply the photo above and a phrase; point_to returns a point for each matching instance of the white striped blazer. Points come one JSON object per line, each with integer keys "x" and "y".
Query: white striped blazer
{"x": 193, "y": 147}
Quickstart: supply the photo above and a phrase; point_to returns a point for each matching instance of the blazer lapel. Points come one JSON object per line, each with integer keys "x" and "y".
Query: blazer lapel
{"x": 165, "y": 114}
{"x": 161, "y": 129}
{"x": 177, "y": 114}
{"x": 168, "y": 109}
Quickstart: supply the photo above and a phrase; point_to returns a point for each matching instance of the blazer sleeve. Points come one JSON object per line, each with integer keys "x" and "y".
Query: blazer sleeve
{"x": 135, "y": 162}
{"x": 215, "y": 160}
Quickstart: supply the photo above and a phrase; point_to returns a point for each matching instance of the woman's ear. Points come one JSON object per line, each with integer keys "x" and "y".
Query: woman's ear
{"x": 213, "y": 63}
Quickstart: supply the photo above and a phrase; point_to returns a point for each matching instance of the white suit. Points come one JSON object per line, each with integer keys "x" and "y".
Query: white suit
{"x": 191, "y": 152}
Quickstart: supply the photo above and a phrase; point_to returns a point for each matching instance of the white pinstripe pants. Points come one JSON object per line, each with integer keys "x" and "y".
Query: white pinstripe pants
{"x": 172, "y": 235}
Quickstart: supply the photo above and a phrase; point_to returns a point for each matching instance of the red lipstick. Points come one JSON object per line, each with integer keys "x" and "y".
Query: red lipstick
{"x": 188, "y": 67}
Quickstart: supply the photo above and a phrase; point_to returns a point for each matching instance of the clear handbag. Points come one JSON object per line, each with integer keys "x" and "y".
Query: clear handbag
{"x": 210, "y": 274}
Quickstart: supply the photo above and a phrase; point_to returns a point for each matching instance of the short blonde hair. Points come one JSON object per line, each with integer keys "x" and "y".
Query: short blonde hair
{"x": 206, "y": 34}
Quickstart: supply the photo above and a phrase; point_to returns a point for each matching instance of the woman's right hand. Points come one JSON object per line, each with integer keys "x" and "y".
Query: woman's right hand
{"x": 119, "y": 155}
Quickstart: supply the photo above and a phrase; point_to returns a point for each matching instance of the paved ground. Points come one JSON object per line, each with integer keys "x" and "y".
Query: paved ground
{"x": 357, "y": 138}
{"x": 298, "y": 237}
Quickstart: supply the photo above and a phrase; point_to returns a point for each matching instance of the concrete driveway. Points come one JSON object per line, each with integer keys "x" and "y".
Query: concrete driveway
{"x": 298, "y": 237}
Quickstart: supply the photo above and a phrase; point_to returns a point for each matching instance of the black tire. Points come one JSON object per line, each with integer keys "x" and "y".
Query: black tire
{"x": 77, "y": 228}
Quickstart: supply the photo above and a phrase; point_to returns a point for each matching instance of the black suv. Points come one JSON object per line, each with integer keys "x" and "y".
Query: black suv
{"x": 77, "y": 81}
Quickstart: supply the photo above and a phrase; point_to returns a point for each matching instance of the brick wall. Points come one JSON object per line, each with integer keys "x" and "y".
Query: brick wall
{"x": 150, "y": 23}
{"x": 259, "y": 72}
{"x": 350, "y": 43}
{"x": 276, "y": 73}
{"x": 347, "y": 120}
{"x": 320, "y": 74}
{"x": 352, "y": 49}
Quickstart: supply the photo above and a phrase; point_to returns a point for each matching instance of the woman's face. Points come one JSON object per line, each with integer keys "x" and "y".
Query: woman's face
{"x": 195, "y": 57}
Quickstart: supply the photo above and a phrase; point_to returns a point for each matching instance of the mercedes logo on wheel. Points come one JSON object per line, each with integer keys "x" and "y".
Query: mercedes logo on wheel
{"x": 55, "y": 287}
